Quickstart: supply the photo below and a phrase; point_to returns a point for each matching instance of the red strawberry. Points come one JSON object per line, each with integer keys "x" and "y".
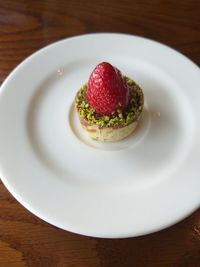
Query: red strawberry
{"x": 107, "y": 92}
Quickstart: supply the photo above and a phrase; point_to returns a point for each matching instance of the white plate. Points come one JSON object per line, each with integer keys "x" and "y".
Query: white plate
{"x": 137, "y": 186}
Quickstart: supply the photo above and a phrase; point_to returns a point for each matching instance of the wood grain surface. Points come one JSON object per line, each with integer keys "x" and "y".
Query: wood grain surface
{"x": 26, "y": 26}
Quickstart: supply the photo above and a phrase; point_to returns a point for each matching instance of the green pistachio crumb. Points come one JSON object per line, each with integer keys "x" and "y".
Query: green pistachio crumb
{"x": 106, "y": 118}
{"x": 82, "y": 113}
{"x": 120, "y": 115}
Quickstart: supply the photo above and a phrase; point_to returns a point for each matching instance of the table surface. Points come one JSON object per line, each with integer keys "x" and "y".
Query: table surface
{"x": 26, "y": 26}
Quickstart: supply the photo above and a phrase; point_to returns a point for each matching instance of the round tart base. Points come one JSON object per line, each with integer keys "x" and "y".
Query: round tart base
{"x": 108, "y": 133}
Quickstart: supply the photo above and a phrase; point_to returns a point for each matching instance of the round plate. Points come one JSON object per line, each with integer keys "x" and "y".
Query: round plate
{"x": 133, "y": 187}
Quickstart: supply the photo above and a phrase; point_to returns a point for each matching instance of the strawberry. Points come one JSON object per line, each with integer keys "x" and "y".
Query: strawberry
{"x": 107, "y": 92}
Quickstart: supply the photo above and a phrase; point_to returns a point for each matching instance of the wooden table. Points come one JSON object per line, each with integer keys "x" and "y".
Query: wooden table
{"x": 26, "y": 26}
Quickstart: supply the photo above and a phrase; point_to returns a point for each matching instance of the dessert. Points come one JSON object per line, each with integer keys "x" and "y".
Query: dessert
{"x": 109, "y": 106}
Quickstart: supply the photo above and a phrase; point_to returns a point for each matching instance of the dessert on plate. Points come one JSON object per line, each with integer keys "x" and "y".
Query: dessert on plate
{"x": 109, "y": 105}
